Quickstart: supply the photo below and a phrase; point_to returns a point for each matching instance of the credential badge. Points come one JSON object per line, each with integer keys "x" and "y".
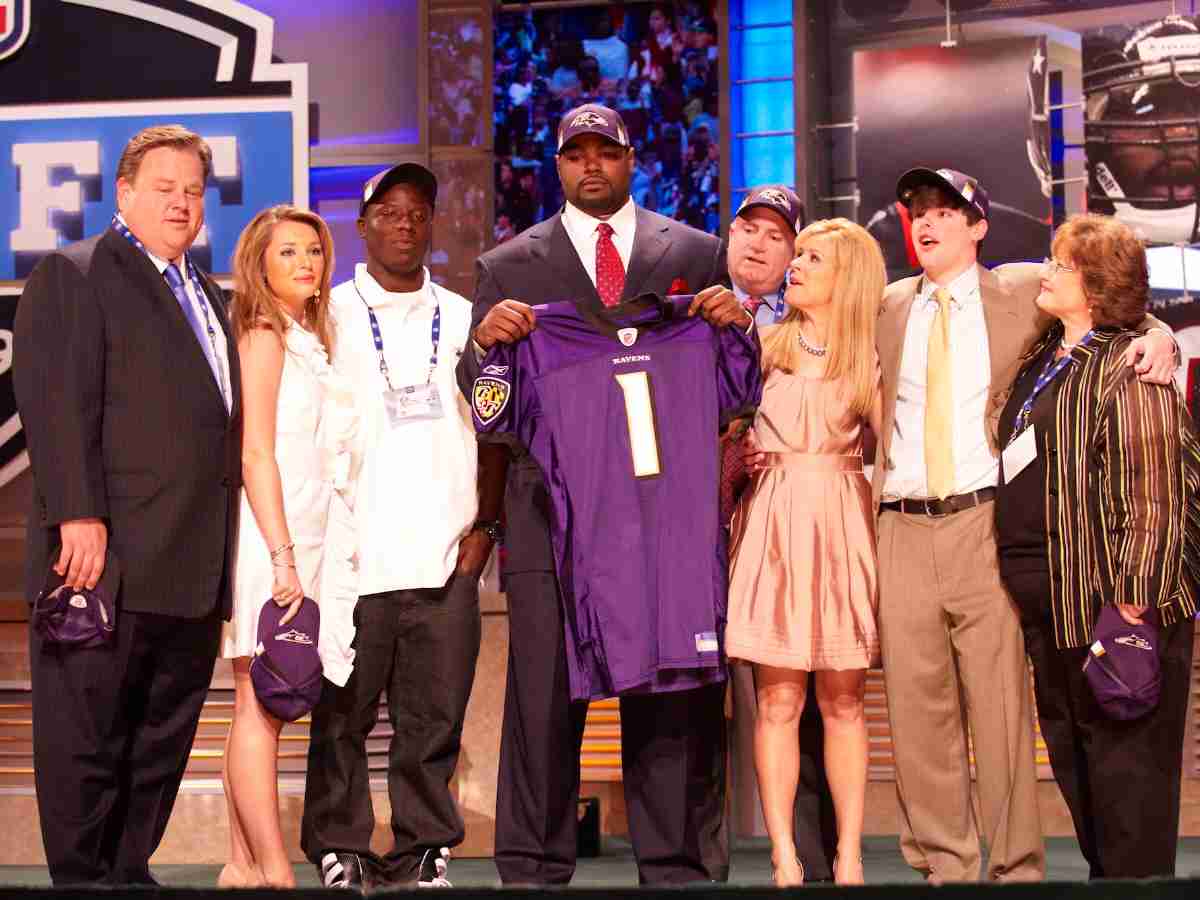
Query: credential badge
{"x": 627, "y": 336}
{"x": 489, "y": 396}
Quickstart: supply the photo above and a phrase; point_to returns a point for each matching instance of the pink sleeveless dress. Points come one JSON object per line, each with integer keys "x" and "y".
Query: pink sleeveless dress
{"x": 803, "y": 578}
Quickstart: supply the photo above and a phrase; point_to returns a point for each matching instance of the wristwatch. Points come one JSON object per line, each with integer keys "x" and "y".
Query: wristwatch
{"x": 492, "y": 528}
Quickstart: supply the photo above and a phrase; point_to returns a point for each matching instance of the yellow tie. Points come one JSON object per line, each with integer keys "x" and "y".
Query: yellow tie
{"x": 939, "y": 403}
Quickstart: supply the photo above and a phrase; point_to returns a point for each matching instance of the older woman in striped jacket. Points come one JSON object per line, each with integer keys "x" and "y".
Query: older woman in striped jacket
{"x": 1099, "y": 480}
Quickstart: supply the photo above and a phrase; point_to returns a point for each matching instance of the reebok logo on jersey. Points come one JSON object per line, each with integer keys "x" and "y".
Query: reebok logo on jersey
{"x": 637, "y": 357}
{"x": 489, "y": 396}
{"x": 495, "y": 370}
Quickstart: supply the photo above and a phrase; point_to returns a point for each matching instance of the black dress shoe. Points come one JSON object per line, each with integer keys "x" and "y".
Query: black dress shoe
{"x": 343, "y": 870}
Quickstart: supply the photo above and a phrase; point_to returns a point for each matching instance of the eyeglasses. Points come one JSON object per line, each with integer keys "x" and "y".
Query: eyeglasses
{"x": 1052, "y": 267}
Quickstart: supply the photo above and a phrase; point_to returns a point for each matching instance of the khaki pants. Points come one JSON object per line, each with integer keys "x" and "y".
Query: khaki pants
{"x": 953, "y": 659}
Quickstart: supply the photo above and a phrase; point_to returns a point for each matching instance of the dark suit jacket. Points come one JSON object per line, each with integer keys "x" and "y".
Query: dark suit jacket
{"x": 540, "y": 265}
{"x": 125, "y": 422}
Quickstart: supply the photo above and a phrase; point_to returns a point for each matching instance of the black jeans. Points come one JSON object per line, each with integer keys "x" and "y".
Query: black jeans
{"x": 420, "y": 646}
{"x": 1120, "y": 780}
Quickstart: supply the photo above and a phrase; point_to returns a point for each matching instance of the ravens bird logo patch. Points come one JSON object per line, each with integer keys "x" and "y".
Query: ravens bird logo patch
{"x": 489, "y": 396}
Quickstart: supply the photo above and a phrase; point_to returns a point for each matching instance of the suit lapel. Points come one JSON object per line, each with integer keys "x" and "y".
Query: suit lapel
{"x": 890, "y": 334}
{"x": 144, "y": 275}
{"x": 216, "y": 301}
{"x": 550, "y": 245}
{"x": 1003, "y": 326}
{"x": 649, "y": 245}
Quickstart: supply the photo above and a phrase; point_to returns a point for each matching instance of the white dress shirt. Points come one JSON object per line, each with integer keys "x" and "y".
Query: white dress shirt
{"x": 204, "y": 314}
{"x": 974, "y": 465}
{"x": 416, "y": 494}
{"x": 581, "y": 229}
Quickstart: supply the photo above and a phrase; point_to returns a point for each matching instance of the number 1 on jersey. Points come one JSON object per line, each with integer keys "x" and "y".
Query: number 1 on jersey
{"x": 639, "y": 415}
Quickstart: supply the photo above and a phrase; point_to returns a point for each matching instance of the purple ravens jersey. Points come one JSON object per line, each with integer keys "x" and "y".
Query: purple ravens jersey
{"x": 622, "y": 409}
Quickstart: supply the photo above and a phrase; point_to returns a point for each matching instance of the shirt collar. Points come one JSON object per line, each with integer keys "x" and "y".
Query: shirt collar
{"x": 579, "y": 223}
{"x": 375, "y": 296}
{"x": 964, "y": 290}
{"x": 160, "y": 264}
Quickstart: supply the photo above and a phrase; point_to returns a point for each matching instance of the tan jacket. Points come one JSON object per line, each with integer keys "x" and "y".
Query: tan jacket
{"x": 1014, "y": 324}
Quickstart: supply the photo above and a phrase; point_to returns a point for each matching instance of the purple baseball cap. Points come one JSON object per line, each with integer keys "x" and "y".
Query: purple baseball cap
{"x": 592, "y": 118}
{"x": 1122, "y": 666}
{"x": 405, "y": 173}
{"x": 86, "y": 617}
{"x": 968, "y": 189}
{"x": 781, "y": 199}
{"x": 286, "y": 668}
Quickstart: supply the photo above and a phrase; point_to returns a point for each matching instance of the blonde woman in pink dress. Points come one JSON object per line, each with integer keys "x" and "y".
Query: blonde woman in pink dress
{"x": 802, "y": 593}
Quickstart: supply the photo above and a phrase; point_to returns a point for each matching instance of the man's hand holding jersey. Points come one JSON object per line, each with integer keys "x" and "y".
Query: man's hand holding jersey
{"x": 506, "y": 323}
{"x": 719, "y": 306}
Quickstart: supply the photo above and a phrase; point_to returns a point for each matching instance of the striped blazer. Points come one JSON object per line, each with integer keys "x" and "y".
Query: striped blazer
{"x": 1122, "y": 492}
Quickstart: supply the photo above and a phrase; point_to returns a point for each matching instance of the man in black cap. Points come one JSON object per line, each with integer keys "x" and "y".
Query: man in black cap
{"x": 423, "y": 536}
{"x": 602, "y": 248}
{"x": 950, "y": 342}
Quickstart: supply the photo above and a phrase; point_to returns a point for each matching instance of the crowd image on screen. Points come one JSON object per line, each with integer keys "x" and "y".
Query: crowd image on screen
{"x": 656, "y": 63}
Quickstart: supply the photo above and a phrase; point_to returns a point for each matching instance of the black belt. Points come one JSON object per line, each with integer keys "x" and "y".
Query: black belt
{"x": 935, "y": 507}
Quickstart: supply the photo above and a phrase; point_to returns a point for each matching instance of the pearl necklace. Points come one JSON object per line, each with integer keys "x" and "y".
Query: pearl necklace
{"x": 815, "y": 351}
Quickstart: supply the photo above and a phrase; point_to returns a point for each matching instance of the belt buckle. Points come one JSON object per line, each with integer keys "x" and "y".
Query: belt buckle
{"x": 929, "y": 512}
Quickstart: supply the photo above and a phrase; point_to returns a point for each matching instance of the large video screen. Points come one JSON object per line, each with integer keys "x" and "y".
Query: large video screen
{"x": 656, "y": 63}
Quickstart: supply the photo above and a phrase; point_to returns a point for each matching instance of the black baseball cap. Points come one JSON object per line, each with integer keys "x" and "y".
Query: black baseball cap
{"x": 957, "y": 184}
{"x": 592, "y": 118}
{"x": 405, "y": 173}
{"x": 781, "y": 199}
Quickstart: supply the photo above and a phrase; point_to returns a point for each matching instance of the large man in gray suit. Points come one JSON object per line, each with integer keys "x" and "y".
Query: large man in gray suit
{"x": 602, "y": 248}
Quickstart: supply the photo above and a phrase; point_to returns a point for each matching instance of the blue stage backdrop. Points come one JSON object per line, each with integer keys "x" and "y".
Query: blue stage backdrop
{"x": 89, "y": 76}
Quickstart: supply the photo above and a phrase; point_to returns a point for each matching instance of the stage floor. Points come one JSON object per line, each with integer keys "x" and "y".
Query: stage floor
{"x": 751, "y": 867}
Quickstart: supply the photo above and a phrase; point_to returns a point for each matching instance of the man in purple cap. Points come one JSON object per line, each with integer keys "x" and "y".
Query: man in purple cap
{"x": 425, "y": 527}
{"x": 950, "y": 341}
{"x": 601, "y": 248}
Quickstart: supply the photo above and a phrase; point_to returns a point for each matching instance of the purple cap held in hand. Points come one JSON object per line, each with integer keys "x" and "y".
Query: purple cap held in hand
{"x": 286, "y": 668}
{"x": 1122, "y": 667}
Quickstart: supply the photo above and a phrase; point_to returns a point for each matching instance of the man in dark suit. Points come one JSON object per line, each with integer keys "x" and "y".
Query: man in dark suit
{"x": 126, "y": 378}
{"x": 603, "y": 248}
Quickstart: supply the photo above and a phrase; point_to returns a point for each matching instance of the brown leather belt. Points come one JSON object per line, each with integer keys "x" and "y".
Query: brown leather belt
{"x": 935, "y": 507}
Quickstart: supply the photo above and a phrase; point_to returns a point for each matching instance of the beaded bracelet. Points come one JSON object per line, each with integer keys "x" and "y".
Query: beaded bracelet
{"x": 281, "y": 549}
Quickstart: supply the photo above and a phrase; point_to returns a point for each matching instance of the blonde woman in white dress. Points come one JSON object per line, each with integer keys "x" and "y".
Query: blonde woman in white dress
{"x": 296, "y": 427}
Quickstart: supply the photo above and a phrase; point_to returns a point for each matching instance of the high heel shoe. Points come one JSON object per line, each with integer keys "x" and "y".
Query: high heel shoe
{"x": 836, "y": 880}
{"x": 775, "y": 876}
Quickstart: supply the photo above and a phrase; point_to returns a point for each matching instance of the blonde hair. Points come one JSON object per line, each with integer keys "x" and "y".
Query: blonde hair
{"x": 859, "y": 280}
{"x": 253, "y": 305}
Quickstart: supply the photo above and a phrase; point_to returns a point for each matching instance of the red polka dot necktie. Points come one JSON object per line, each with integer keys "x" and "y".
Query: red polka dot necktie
{"x": 610, "y": 272}
{"x": 751, "y": 305}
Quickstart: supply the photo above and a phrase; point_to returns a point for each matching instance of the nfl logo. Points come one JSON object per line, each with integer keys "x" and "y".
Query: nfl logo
{"x": 14, "y": 26}
{"x": 627, "y": 336}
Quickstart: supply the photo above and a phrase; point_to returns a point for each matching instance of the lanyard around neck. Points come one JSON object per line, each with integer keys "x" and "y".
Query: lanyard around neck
{"x": 435, "y": 335}
{"x": 1050, "y": 371}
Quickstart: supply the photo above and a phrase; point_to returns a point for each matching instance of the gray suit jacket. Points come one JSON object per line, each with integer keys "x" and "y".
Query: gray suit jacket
{"x": 540, "y": 265}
